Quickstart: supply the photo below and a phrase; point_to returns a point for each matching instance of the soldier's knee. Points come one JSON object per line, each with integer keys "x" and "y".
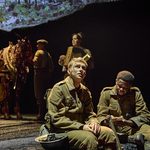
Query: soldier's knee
{"x": 91, "y": 142}
{"x": 107, "y": 131}
{"x": 84, "y": 140}
{"x": 107, "y": 135}
{"x": 91, "y": 138}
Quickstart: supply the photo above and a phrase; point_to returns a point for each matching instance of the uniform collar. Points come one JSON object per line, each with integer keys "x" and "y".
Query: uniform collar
{"x": 69, "y": 82}
{"x": 113, "y": 91}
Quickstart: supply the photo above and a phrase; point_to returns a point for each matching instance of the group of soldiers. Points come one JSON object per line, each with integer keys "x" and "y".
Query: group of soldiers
{"x": 68, "y": 107}
{"x": 121, "y": 108}
{"x": 43, "y": 67}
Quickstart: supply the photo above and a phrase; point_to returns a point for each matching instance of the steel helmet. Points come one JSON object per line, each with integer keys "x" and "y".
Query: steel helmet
{"x": 54, "y": 141}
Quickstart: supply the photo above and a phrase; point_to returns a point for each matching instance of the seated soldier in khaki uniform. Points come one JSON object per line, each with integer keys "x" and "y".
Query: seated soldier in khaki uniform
{"x": 70, "y": 110}
{"x": 126, "y": 106}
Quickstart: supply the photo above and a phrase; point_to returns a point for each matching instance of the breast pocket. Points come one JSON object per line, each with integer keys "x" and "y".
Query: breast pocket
{"x": 114, "y": 108}
{"x": 70, "y": 102}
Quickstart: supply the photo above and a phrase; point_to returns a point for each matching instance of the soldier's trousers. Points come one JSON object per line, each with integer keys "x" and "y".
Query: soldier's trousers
{"x": 144, "y": 129}
{"x": 85, "y": 140}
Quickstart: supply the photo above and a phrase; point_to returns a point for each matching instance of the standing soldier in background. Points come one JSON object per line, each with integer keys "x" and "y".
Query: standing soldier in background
{"x": 77, "y": 50}
{"x": 43, "y": 67}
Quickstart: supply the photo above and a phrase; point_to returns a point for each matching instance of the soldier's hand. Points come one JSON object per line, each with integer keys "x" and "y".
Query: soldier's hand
{"x": 93, "y": 127}
{"x": 61, "y": 60}
{"x": 120, "y": 121}
{"x": 128, "y": 123}
{"x": 105, "y": 122}
{"x": 27, "y": 69}
{"x": 87, "y": 128}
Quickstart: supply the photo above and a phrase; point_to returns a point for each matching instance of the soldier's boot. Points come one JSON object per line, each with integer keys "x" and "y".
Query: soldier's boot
{"x": 5, "y": 111}
{"x": 17, "y": 112}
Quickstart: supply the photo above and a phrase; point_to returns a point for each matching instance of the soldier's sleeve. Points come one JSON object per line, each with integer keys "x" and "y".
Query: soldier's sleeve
{"x": 57, "y": 110}
{"x": 103, "y": 104}
{"x": 50, "y": 63}
{"x": 142, "y": 113}
{"x": 37, "y": 56}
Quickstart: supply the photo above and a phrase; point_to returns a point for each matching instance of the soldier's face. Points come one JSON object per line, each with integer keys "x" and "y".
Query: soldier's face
{"x": 122, "y": 87}
{"x": 40, "y": 46}
{"x": 75, "y": 41}
{"x": 78, "y": 71}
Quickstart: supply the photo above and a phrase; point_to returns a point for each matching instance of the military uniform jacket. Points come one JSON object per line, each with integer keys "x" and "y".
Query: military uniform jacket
{"x": 43, "y": 67}
{"x": 43, "y": 61}
{"x": 131, "y": 106}
{"x": 71, "y": 110}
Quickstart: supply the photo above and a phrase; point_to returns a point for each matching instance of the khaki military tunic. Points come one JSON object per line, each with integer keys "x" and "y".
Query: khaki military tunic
{"x": 43, "y": 67}
{"x": 131, "y": 106}
{"x": 68, "y": 112}
{"x": 73, "y": 111}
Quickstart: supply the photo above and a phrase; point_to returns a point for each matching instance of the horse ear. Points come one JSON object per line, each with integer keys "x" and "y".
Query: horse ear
{"x": 10, "y": 43}
{"x": 18, "y": 41}
{"x": 25, "y": 38}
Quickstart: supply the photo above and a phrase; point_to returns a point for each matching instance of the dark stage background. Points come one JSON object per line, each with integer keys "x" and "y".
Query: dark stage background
{"x": 117, "y": 33}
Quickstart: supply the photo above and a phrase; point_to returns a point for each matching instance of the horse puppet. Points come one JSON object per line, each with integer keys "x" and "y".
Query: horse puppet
{"x": 14, "y": 68}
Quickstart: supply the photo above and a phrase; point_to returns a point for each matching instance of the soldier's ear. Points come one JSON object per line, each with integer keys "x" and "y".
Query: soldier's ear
{"x": 116, "y": 81}
{"x": 68, "y": 71}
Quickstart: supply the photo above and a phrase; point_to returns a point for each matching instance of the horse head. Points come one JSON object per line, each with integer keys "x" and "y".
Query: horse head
{"x": 17, "y": 57}
{"x": 23, "y": 53}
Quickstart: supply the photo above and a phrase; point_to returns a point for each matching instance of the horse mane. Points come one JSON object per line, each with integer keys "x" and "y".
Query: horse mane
{"x": 14, "y": 55}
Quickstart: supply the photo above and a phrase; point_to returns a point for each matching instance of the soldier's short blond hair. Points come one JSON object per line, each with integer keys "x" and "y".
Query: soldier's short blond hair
{"x": 79, "y": 59}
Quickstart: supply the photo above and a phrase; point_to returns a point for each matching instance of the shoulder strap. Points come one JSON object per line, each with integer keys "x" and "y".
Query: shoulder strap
{"x": 65, "y": 91}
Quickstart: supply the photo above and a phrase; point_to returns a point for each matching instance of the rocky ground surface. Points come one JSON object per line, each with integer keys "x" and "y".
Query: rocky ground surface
{"x": 19, "y": 134}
